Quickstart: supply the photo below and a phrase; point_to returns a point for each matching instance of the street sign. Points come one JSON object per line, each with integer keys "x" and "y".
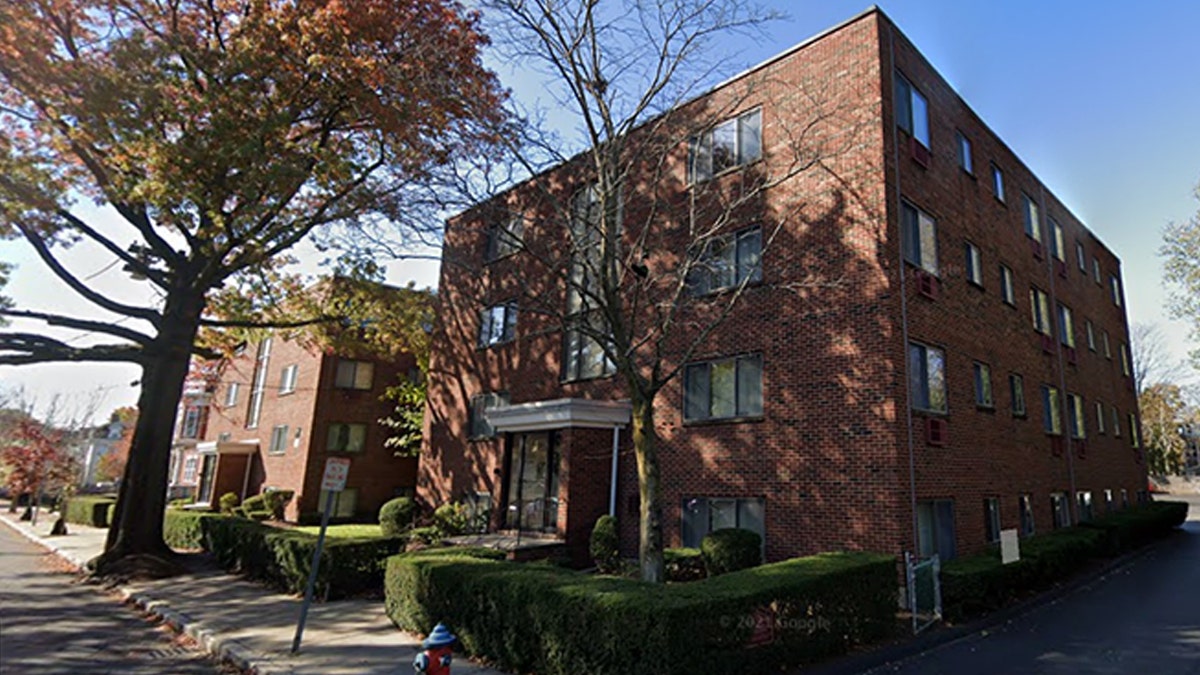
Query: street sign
{"x": 336, "y": 470}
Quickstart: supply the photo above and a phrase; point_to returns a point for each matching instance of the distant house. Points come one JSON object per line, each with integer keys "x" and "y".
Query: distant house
{"x": 277, "y": 411}
{"x": 92, "y": 444}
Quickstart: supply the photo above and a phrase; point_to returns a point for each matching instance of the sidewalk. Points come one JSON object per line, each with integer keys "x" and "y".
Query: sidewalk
{"x": 251, "y": 626}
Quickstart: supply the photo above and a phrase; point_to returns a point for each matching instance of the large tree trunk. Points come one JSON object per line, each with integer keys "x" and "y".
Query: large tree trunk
{"x": 136, "y": 533}
{"x": 645, "y": 446}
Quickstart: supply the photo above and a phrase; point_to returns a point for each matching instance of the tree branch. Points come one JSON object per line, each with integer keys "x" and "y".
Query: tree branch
{"x": 27, "y": 348}
{"x": 138, "y": 266}
{"x": 81, "y": 324}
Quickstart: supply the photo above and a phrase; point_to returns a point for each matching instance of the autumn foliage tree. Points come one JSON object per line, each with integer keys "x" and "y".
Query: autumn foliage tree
{"x": 215, "y": 135}
{"x": 36, "y": 458}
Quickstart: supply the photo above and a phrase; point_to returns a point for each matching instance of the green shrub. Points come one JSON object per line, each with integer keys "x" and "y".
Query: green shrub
{"x": 684, "y": 564}
{"x": 185, "y": 529}
{"x": 88, "y": 510}
{"x": 729, "y": 550}
{"x": 276, "y": 501}
{"x": 396, "y": 516}
{"x": 179, "y": 503}
{"x": 228, "y": 502}
{"x": 255, "y": 503}
{"x": 530, "y": 618}
{"x": 452, "y": 519}
{"x": 110, "y": 514}
{"x": 428, "y": 536}
{"x": 605, "y": 546}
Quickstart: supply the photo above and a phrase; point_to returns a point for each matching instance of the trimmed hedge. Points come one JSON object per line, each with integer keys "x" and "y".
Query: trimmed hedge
{"x": 396, "y": 516}
{"x": 185, "y": 529}
{"x": 684, "y": 564}
{"x": 541, "y": 619}
{"x": 604, "y": 545}
{"x": 88, "y": 510}
{"x": 729, "y": 550}
{"x": 981, "y": 583}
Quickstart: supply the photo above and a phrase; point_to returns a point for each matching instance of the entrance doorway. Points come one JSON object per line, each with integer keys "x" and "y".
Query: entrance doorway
{"x": 208, "y": 469}
{"x": 531, "y": 500}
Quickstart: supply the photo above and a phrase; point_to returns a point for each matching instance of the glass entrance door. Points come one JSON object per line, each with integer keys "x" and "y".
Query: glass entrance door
{"x": 208, "y": 467}
{"x": 532, "y": 495}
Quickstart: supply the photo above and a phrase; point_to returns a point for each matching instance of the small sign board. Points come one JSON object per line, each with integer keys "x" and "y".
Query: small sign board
{"x": 336, "y": 470}
{"x": 1010, "y": 546}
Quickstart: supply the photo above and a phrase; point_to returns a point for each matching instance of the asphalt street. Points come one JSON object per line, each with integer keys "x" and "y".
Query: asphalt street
{"x": 52, "y": 623}
{"x": 1143, "y": 617}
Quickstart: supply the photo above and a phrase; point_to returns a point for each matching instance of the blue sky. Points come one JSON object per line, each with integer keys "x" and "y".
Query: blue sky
{"x": 1098, "y": 98}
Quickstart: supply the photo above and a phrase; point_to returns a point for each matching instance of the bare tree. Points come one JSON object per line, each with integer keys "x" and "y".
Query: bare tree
{"x": 1151, "y": 362}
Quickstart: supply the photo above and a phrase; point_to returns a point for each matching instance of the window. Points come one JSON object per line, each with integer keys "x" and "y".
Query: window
{"x": 479, "y": 426}
{"x": 1060, "y": 510}
{"x": 1124, "y": 351}
{"x": 1096, "y": 269}
{"x": 1057, "y": 247}
{"x": 998, "y": 182}
{"x": 287, "y": 379}
{"x": 1016, "y": 388}
{"x": 1115, "y": 285}
{"x": 344, "y": 503}
{"x": 983, "y": 385}
{"x": 1006, "y": 285}
{"x": 1051, "y": 411}
{"x": 1075, "y": 419}
{"x": 1033, "y": 227}
{"x": 1135, "y": 432}
{"x": 504, "y": 237}
{"x": 343, "y": 437}
{"x": 1099, "y": 417}
{"x": 1080, "y": 258}
{"x": 935, "y": 529}
{"x": 730, "y": 144}
{"x": 354, "y": 374}
{"x": 279, "y": 438}
{"x": 927, "y": 377}
{"x": 1091, "y": 334}
{"x": 974, "y": 265}
{"x": 991, "y": 519}
{"x": 1066, "y": 326}
{"x": 1039, "y": 304}
{"x": 920, "y": 238}
{"x": 728, "y": 262}
{"x": 1108, "y": 501}
{"x": 1116, "y": 422}
{"x": 585, "y": 356}
{"x": 1104, "y": 342}
{"x": 703, "y": 515}
{"x": 1083, "y": 504}
{"x": 231, "y": 394}
{"x": 189, "y": 469}
{"x": 498, "y": 324}
{"x": 1025, "y": 503}
{"x": 912, "y": 110}
{"x": 260, "y": 383}
{"x": 728, "y": 388}
{"x": 191, "y": 422}
{"x": 964, "y": 153}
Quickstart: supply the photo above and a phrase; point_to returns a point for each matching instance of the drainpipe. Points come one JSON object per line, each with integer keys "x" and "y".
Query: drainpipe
{"x": 1059, "y": 356}
{"x": 612, "y": 488}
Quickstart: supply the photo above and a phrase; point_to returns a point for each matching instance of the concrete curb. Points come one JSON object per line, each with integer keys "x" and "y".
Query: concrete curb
{"x": 226, "y": 649}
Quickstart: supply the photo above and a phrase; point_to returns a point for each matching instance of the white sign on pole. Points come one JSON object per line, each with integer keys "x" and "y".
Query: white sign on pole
{"x": 336, "y": 470}
{"x": 1010, "y": 546}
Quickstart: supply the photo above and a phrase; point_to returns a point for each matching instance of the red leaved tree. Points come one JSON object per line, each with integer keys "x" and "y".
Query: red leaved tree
{"x": 36, "y": 459}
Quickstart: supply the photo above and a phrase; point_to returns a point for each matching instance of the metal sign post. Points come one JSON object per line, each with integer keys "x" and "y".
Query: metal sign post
{"x": 332, "y": 482}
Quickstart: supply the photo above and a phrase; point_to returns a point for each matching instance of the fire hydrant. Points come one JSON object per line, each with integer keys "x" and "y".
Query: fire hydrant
{"x": 435, "y": 660}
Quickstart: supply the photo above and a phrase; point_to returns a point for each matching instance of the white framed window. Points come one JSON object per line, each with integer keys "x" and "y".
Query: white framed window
{"x": 346, "y": 437}
{"x": 1006, "y": 286}
{"x": 287, "y": 379}
{"x": 728, "y": 262}
{"x": 997, "y": 182}
{"x": 935, "y": 529}
{"x": 1051, "y": 411}
{"x": 1025, "y": 504}
{"x": 704, "y": 515}
{"x": 912, "y": 110}
{"x": 991, "y": 519}
{"x": 1116, "y": 422}
{"x": 354, "y": 375}
{"x": 1124, "y": 351}
{"x": 982, "y": 374}
{"x": 189, "y": 469}
{"x": 1104, "y": 342}
{"x": 1075, "y": 417}
{"x": 260, "y": 384}
{"x": 723, "y": 389}
{"x": 927, "y": 377}
{"x": 1057, "y": 246}
{"x": 478, "y": 424}
{"x": 345, "y": 503}
{"x": 974, "y": 265}
{"x": 504, "y": 237}
{"x": 1108, "y": 501}
{"x": 584, "y": 355}
{"x": 1083, "y": 505}
{"x": 279, "y": 439}
{"x": 732, "y": 143}
{"x": 1033, "y": 225}
{"x": 1114, "y": 283}
{"x": 1060, "y": 510}
{"x": 1091, "y": 334}
{"x": 191, "y": 422}
{"x": 1016, "y": 390}
{"x": 1066, "y": 326}
{"x": 920, "y": 238}
{"x": 1096, "y": 269}
{"x": 964, "y": 152}
{"x": 498, "y": 324}
{"x": 1039, "y": 304}
{"x": 1080, "y": 258}
{"x": 1099, "y": 417}
{"x": 231, "y": 394}
{"x": 1135, "y": 431}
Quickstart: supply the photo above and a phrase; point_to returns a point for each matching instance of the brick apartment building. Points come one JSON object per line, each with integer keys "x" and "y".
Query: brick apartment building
{"x": 968, "y": 371}
{"x": 276, "y": 411}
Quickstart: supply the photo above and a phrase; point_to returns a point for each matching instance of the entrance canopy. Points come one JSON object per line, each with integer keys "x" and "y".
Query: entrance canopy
{"x": 227, "y": 447}
{"x": 558, "y": 414}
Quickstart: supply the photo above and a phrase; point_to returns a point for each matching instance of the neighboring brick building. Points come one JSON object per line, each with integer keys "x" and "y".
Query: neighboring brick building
{"x": 278, "y": 411}
{"x": 960, "y": 366}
